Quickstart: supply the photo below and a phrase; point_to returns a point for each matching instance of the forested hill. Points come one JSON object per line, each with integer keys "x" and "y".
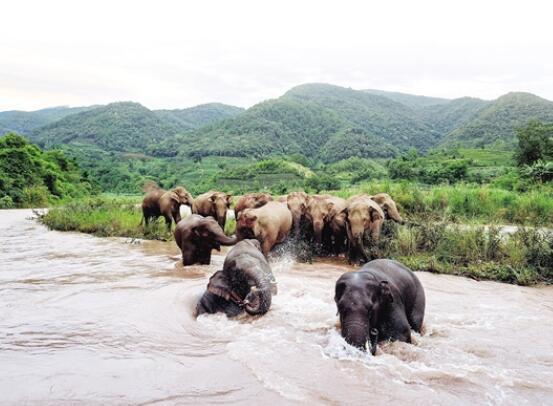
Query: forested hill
{"x": 321, "y": 121}
{"x": 25, "y": 122}
{"x": 498, "y": 120}
{"x": 127, "y": 126}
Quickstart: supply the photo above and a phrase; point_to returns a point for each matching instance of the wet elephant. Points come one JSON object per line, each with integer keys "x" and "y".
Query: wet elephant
{"x": 269, "y": 224}
{"x": 363, "y": 214}
{"x": 245, "y": 283}
{"x": 251, "y": 201}
{"x": 384, "y": 300}
{"x": 197, "y": 236}
{"x": 388, "y": 206}
{"x": 165, "y": 203}
{"x": 326, "y": 215}
{"x": 297, "y": 204}
{"x": 214, "y": 204}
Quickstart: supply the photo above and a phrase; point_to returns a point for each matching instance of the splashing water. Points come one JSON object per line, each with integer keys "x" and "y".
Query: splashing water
{"x": 95, "y": 320}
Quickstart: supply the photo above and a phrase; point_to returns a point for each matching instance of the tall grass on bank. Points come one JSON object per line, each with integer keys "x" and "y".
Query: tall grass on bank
{"x": 481, "y": 252}
{"x": 104, "y": 217}
{"x": 466, "y": 202}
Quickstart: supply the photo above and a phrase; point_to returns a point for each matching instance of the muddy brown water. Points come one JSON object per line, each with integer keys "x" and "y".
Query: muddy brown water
{"x": 96, "y": 320}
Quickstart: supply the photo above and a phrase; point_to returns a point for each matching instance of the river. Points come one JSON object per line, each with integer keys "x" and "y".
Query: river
{"x": 102, "y": 320}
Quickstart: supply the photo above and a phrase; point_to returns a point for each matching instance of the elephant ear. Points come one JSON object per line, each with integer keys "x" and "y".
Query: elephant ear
{"x": 219, "y": 285}
{"x": 174, "y": 196}
{"x": 339, "y": 291}
{"x": 229, "y": 199}
{"x": 386, "y": 292}
{"x": 376, "y": 212}
{"x": 201, "y": 231}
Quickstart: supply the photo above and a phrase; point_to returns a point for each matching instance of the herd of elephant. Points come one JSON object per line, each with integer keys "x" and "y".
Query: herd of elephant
{"x": 335, "y": 225}
{"x": 384, "y": 300}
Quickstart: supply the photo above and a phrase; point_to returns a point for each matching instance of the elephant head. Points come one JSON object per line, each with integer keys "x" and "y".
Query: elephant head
{"x": 361, "y": 300}
{"x": 221, "y": 203}
{"x": 182, "y": 196}
{"x": 297, "y": 203}
{"x": 362, "y": 214}
{"x": 245, "y": 282}
{"x": 319, "y": 212}
{"x": 388, "y": 207}
{"x": 209, "y": 232}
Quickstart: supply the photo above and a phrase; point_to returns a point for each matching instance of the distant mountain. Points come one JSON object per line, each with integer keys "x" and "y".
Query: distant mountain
{"x": 410, "y": 100}
{"x": 311, "y": 119}
{"x": 121, "y": 126}
{"x": 321, "y": 121}
{"x": 497, "y": 121}
{"x": 198, "y": 116}
{"x": 24, "y": 122}
{"x": 446, "y": 117}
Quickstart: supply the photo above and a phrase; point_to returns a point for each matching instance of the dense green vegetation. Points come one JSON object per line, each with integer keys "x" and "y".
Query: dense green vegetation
{"x": 30, "y": 177}
{"x": 25, "y": 122}
{"x": 498, "y": 121}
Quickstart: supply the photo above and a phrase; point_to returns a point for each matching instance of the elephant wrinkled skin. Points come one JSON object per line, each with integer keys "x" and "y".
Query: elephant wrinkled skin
{"x": 246, "y": 282}
{"x": 196, "y": 236}
{"x": 384, "y": 300}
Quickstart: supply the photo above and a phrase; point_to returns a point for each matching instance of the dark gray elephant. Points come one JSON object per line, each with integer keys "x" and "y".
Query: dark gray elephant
{"x": 384, "y": 300}
{"x": 197, "y": 236}
{"x": 245, "y": 283}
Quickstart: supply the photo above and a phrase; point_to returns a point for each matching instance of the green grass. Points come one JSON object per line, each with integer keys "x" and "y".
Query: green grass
{"x": 524, "y": 258}
{"x": 464, "y": 202}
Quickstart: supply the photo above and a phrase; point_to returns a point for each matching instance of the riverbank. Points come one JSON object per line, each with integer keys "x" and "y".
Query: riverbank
{"x": 481, "y": 252}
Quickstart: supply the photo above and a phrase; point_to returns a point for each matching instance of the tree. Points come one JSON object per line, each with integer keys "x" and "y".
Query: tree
{"x": 535, "y": 142}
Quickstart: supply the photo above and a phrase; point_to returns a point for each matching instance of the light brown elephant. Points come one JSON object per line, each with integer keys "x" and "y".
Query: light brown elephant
{"x": 327, "y": 218}
{"x": 297, "y": 204}
{"x": 251, "y": 201}
{"x": 388, "y": 206}
{"x": 214, "y": 204}
{"x": 270, "y": 224}
{"x": 159, "y": 202}
{"x": 363, "y": 214}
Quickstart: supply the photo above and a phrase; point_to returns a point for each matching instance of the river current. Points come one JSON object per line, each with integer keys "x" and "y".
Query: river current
{"x": 110, "y": 320}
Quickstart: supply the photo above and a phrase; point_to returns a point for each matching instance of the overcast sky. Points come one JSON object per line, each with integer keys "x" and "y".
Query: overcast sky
{"x": 167, "y": 54}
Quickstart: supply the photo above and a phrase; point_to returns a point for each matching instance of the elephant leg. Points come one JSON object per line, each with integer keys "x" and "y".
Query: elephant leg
{"x": 168, "y": 221}
{"x": 266, "y": 246}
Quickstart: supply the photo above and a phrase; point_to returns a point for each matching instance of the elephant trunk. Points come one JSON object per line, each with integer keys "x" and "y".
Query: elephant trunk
{"x": 258, "y": 299}
{"x": 297, "y": 220}
{"x": 225, "y": 240}
{"x": 318, "y": 231}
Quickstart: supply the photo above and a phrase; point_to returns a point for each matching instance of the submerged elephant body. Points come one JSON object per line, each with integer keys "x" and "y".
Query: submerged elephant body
{"x": 165, "y": 203}
{"x": 269, "y": 224}
{"x": 384, "y": 300}
{"x": 214, "y": 204}
{"x": 245, "y": 283}
{"x": 197, "y": 236}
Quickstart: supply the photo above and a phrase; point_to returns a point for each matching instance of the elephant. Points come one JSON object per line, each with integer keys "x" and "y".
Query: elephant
{"x": 363, "y": 214}
{"x": 165, "y": 203}
{"x": 388, "y": 206}
{"x": 196, "y": 236}
{"x": 297, "y": 204}
{"x": 251, "y": 201}
{"x": 270, "y": 224}
{"x": 214, "y": 204}
{"x": 384, "y": 300}
{"x": 245, "y": 283}
{"x": 326, "y": 216}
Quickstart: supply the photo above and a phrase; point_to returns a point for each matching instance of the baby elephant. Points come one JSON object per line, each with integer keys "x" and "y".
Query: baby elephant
{"x": 384, "y": 300}
{"x": 196, "y": 236}
{"x": 245, "y": 283}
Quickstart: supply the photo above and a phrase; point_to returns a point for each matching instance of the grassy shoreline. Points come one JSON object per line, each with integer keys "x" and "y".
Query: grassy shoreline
{"x": 431, "y": 242}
